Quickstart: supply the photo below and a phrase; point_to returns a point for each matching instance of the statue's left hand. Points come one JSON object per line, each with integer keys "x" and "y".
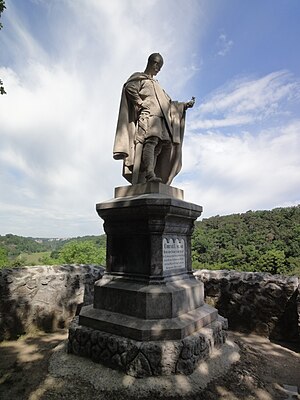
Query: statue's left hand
{"x": 190, "y": 104}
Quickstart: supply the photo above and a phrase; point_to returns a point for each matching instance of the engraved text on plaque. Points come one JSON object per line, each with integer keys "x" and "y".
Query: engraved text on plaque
{"x": 173, "y": 254}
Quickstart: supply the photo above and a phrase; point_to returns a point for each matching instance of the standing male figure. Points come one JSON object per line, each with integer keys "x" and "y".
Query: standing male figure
{"x": 150, "y": 128}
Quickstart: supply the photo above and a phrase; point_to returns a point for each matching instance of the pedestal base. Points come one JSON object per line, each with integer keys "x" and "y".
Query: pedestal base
{"x": 151, "y": 301}
{"x": 147, "y": 358}
{"x": 148, "y": 316}
{"x": 148, "y": 329}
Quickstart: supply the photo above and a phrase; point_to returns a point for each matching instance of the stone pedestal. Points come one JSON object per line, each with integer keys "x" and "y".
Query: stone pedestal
{"x": 148, "y": 293}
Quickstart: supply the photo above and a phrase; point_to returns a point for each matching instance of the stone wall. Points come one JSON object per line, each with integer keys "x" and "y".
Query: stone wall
{"x": 268, "y": 305}
{"x": 48, "y": 297}
{"x": 43, "y": 297}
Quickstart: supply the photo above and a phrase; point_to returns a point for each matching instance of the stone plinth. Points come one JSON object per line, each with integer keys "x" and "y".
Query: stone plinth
{"x": 148, "y": 329}
{"x": 148, "y": 301}
{"x": 149, "y": 237}
{"x": 148, "y": 188}
{"x": 148, "y": 293}
{"x": 147, "y": 358}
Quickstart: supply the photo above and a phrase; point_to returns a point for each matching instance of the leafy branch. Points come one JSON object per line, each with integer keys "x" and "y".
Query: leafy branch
{"x": 2, "y": 7}
{"x": 2, "y": 90}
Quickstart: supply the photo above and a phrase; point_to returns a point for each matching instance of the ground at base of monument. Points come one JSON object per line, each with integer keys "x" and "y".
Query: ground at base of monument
{"x": 112, "y": 382}
{"x": 261, "y": 373}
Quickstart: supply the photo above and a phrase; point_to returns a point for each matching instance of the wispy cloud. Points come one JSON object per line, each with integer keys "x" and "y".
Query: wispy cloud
{"x": 228, "y": 174}
{"x": 65, "y": 66}
{"x": 58, "y": 119}
{"x": 242, "y": 146}
{"x": 246, "y": 101}
{"x": 224, "y": 45}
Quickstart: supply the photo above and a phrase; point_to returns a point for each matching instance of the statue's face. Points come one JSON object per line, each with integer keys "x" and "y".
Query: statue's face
{"x": 156, "y": 65}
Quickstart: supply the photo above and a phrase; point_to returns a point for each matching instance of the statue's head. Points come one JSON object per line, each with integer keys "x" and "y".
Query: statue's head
{"x": 155, "y": 63}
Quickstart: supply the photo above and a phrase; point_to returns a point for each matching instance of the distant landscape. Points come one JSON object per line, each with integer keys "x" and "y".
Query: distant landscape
{"x": 266, "y": 241}
{"x": 16, "y": 251}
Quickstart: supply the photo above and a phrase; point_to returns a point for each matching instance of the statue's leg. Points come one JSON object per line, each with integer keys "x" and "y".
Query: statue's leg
{"x": 157, "y": 151}
{"x": 164, "y": 161}
{"x": 149, "y": 158}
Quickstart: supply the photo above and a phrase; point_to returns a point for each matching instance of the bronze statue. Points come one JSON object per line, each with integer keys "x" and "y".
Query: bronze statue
{"x": 150, "y": 128}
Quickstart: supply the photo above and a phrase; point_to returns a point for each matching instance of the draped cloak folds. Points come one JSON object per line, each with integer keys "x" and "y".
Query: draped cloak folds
{"x": 169, "y": 163}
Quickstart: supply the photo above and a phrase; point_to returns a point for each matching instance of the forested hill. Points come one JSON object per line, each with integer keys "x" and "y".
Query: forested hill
{"x": 16, "y": 245}
{"x": 13, "y": 246}
{"x": 256, "y": 240}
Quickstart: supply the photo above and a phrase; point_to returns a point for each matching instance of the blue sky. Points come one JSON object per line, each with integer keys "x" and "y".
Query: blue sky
{"x": 64, "y": 63}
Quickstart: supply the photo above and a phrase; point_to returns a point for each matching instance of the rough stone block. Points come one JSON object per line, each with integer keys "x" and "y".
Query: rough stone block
{"x": 151, "y": 358}
{"x": 43, "y": 297}
{"x": 255, "y": 302}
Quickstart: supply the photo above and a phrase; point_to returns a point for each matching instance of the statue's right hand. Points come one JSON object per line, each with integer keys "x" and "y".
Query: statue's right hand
{"x": 119, "y": 156}
{"x": 190, "y": 104}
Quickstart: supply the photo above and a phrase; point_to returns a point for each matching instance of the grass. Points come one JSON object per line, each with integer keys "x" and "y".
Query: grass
{"x": 32, "y": 258}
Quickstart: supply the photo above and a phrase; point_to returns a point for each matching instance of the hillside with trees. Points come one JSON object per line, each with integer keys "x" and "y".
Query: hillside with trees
{"x": 18, "y": 250}
{"x": 267, "y": 241}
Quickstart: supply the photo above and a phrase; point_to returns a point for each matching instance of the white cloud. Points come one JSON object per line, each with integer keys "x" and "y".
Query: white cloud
{"x": 58, "y": 118}
{"x": 229, "y": 174}
{"x": 236, "y": 157}
{"x": 19, "y": 40}
{"x": 63, "y": 90}
{"x": 224, "y": 45}
{"x": 253, "y": 95}
{"x": 221, "y": 123}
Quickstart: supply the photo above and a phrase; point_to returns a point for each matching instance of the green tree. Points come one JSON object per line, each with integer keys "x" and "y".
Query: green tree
{"x": 4, "y": 261}
{"x": 48, "y": 260}
{"x": 81, "y": 252}
{"x": 249, "y": 241}
{"x": 2, "y": 7}
{"x": 2, "y": 90}
{"x": 273, "y": 261}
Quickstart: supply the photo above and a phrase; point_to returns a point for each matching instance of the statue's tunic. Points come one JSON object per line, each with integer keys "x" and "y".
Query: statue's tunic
{"x": 146, "y": 110}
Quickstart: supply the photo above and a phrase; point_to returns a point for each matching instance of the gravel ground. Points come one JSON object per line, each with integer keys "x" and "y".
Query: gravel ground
{"x": 263, "y": 370}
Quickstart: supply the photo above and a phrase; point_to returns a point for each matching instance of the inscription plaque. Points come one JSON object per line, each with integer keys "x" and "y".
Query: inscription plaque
{"x": 173, "y": 254}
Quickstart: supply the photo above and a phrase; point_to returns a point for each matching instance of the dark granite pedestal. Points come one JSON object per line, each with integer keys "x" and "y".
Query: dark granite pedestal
{"x": 149, "y": 315}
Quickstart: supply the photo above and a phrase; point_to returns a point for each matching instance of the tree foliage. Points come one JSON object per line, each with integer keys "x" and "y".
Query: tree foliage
{"x": 81, "y": 252}
{"x": 20, "y": 249}
{"x": 2, "y": 7}
{"x": 266, "y": 241}
{"x": 4, "y": 261}
{"x": 15, "y": 245}
{"x": 254, "y": 241}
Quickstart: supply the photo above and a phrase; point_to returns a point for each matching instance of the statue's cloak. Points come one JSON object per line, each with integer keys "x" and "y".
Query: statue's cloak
{"x": 170, "y": 164}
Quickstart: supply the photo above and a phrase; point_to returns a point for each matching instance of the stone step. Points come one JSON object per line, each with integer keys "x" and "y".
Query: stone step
{"x": 148, "y": 329}
{"x": 148, "y": 301}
